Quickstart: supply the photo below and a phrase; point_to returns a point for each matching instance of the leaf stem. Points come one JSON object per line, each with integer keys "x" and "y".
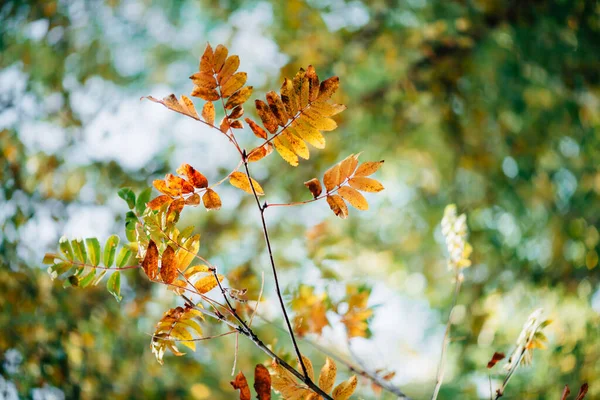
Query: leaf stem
{"x": 441, "y": 366}
{"x": 270, "y": 250}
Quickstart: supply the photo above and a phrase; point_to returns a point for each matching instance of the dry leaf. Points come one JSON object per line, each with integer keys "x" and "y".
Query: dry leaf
{"x": 327, "y": 375}
{"x": 168, "y": 269}
{"x": 208, "y": 113}
{"x": 158, "y": 202}
{"x": 241, "y": 181}
{"x": 314, "y": 186}
{"x": 211, "y": 200}
{"x": 150, "y": 262}
{"x": 331, "y": 179}
{"x": 495, "y": 358}
{"x": 337, "y": 205}
{"x": 262, "y": 382}
{"x": 240, "y": 383}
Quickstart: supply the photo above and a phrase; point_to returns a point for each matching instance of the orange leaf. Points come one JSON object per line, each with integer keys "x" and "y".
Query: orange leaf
{"x": 207, "y": 60}
{"x": 196, "y": 178}
{"x": 266, "y": 115}
{"x": 368, "y": 168}
{"x": 331, "y": 178}
{"x": 233, "y": 84}
{"x": 205, "y": 93}
{"x": 211, "y": 200}
{"x": 229, "y": 67}
{"x": 168, "y": 269}
{"x": 193, "y": 200}
{"x": 365, "y": 184}
{"x": 184, "y": 106}
{"x": 208, "y": 113}
{"x": 178, "y": 183}
{"x": 262, "y": 382}
{"x": 161, "y": 186}
{"x": 236, "y": 112}
{"x": 337, "y": 205}
{"x": 313, "y": 79}
{"x": 240, "y": 383}
{"x": 150, "y": 262}
{"x": 236, "y": 125}
{"x": 241, "y": 181}
{"x": 159, "y": 201}
{"x": 353, "y": 197}
{"x": 204, "y": 80}
{"x": 277, "y": 108}
{"x": 495, "y": 358}
{"x": 258, "y": 131}
{"x": 260, "y": 152}
{"x": 328, "y": 88}
{"x": 220, "y": 57}
{"x": 288, "y": 97}
{"x": 347, "y": 166}
{"x": 314, "y": 186}
{"x": 239, "y": 97}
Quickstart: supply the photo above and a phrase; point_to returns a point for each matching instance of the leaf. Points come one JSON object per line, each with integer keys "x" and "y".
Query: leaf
{"x": 150, "y": 262}
{"x": 565, "y": 392}
{"x": 236, "y": 112}
{"x": 344, "y": 390}
{"x": 308, "y": 133}
{"x": 207, "y": 60}
{"x": 353, "y": 197}
{"x": 309, "y": 367}
{"x": 205, "y": 94}
{"x": 314, "y": 186}
{"x": 313, "y": 80}
{"x": 327, "y": 375}
{"x": 110, "y": 249}
{"x": 123, "y": 257}
{"x": 241, "y": 181}
{"x": 347, "y": 166}
{"x": 288, "y": 97}
{"x": 233, "y": 84}
{"x": 183, "y": 106}
{"x": 237, "y": 125}
{"x": 318, "y": 121}
{"x": 206, "y": 284}
{"x": 368, "y": 168}
{"x": 179, "y": 184}
{"x": 277, "y": 108}
{"x": 239, "y": 97}
{"x": 211, "y": 200}
{"x": 258, "y": 131}
{"x": 142, "y": 200}
{"x": 193, "y": 200}
{"x": 93, "y": 250}
{"x": 159, "y": 202}
{"x": 331, "y": 179}
{"x": 220, "y": 56}
{"x": 208, "y": 113}
{"x": 365, "y": 184}
{"x": 231, "y": 65}
{"x": 187, "y": 254}
{"x": 495, "y": 358}
{"x": 162, "y": 187}
{"x": 127, "y": 195}
{"x": 196, "y": 178}
{"x": 296, "y": 144}
{"x": 337, "y": 205}
{"x": 240, "y": 383}
{"x": 582, "y": 392}
{"x": 328, "y": 87}
{"x": 114, "y": 285}
{"x": 79, "y": 250}
{"x": 262, "y": 382}
{"x": 204, "y": 80}
{"x": 284, "y": 151}
{"x": 266, "y": 115}
{"x": 327, "y": 109}
{"x": 260, "y": 152}
{"x": 285, "y": 383}
{"x": 168, "y": 269}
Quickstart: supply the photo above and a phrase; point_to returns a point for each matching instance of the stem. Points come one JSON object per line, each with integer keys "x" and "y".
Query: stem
{"x": 277, "y": 287}
{"x": 441, "y": 366}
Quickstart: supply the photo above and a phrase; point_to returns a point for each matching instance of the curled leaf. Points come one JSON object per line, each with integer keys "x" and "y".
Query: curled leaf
{"x": 196, "y": 178}
{"x": 240, "y": 383}
{"x": 495, "y": 358}
{"x": 314, "y": 186}
{"x": 337, "y": 205}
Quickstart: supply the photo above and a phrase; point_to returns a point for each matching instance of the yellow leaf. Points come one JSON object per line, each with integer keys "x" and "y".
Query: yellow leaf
{"x": 309, "y": 367}
{"x": 308, "y": 133}
{"x": 285, "y": 383}
{"x": 208, "y": 113}
{"x": 337, "y": 205}
{"x": 304, "y": 93}
{"x": 284, "y": 151}
{"x": 289, "y": 98}
{"x": 368, "y": 168}
{"x": 233, "y": 84}
{"x": 277, "y": 108}
{"x": 161, "y": 186}
{"x": 318, "y": 121}
{"x": 229, "y": 67}
{"x": 239, "y": 97}
{"x": 220, "y": 57}
{"x": 179, "y": 332}
{"x": 211, "y": 200}
{"x": 296, "y": 144}
{"x": 313, "y": 79}
{"x": 353, "y": 197}
{"x": 347, "y": 166}
{"x": 365, "y": 184}
{"x": 196, "y": 178}
{"x": 187, "y": 254}
{"x": 241, "y": 181}
{"x": 327, "y": 375}
{"x": 331, "y": 179}
{"x": 258, "y": 131}
{"x": 205, "y": 94}
{"x": 266, "y": 115}
{"x": 196, "y": 269}
{"x": 314, "y": 186}
{"x": 168, "y": 268}
{"x": 206, "y": 284}
{"x": 328, "y": 88}
{"x": 326, "y": 109}
{"x": 150, "y": 262}
{"x": 344, "y": 390}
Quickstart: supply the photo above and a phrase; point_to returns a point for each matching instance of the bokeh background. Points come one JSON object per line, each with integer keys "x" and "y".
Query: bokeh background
{"x": 493, "y": 105}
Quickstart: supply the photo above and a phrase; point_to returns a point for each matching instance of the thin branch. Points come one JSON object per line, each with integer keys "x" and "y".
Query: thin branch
{"x": 441, "y": 366}
{"x": 299, "y": 203}
{"x": 270, "y": 250}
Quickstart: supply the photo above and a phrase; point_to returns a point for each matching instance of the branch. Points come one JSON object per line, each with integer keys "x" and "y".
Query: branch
{"x": 277, "y": 288}
{"x": 441, "y": 366}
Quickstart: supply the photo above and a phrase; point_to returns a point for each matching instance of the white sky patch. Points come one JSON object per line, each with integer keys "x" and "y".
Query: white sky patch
{"x": 351, "y": 15}
{"x": 89, "y": 221}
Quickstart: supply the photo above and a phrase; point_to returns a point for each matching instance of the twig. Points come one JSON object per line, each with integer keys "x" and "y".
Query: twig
{"x": 441, "y": 366}
{"x": 270, "y": 250}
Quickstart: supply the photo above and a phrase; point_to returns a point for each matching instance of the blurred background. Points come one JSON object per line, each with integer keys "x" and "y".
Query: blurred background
{"x": 493, "y": 105}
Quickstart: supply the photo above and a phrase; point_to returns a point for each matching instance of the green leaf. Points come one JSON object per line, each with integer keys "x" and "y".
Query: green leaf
{"x": 143, "y": 198}
{"x": 110, "y": 248}
{"x": 123, "y": 257}
{"x": 114, "y": 285}
{"x": 79, "y": 249}
{"x": 93, "y": 249}
{"x": 65, "y": 248}
{"x": 127, "y": 195}
{"x": 49, "y": 258}
{"x": 85, "y": 281}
